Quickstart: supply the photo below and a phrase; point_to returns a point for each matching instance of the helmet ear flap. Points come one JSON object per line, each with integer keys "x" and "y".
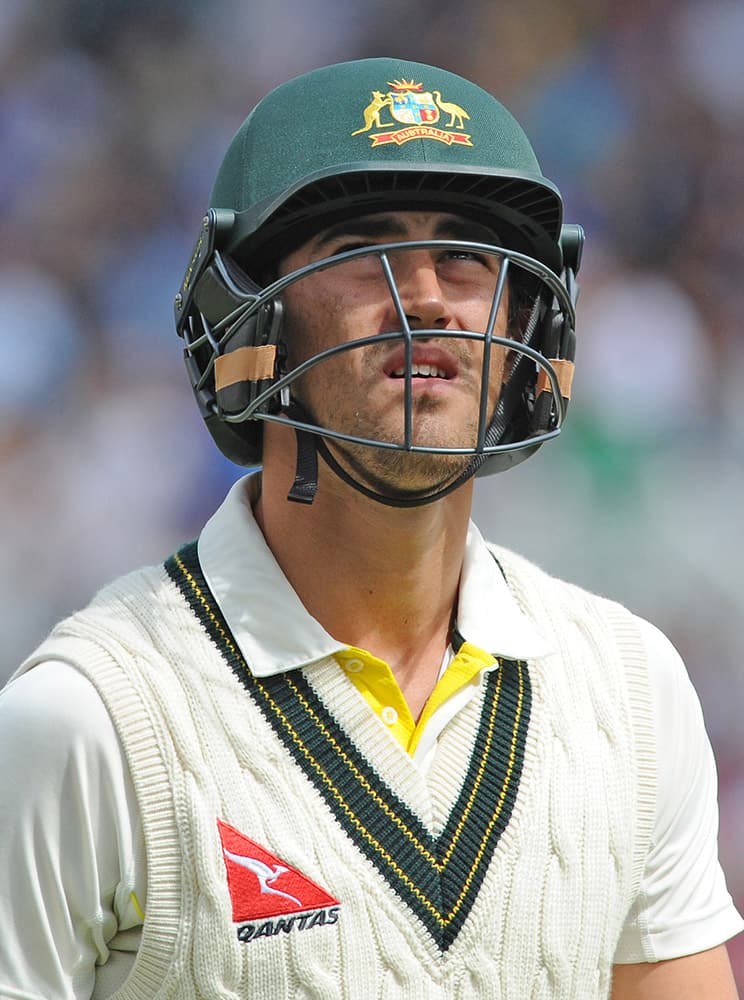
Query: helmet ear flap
{"x": 556, "y": 333}
{"x": 232, "y": 349}
{"x": 249, "y": 362}
{"x": 557, "y": 340}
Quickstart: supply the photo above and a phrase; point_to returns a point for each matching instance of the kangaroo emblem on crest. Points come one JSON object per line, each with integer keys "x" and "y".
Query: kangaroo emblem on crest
{"x": 372, "y": 111}
{"x": 264, "y": 873}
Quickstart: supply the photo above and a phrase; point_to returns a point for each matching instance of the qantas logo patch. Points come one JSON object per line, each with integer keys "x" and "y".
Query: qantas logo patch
{"x": 269, "y": 896}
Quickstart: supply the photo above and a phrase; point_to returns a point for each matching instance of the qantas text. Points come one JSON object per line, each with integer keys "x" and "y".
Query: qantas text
{"x": 299, "y": 922}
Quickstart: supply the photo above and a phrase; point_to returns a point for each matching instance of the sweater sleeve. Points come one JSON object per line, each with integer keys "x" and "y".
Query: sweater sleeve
{"x": 70, "y": 838}
{"x": 683, "y": 906}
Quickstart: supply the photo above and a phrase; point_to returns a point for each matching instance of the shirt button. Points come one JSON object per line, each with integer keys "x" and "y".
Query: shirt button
{"x": 389, "y": 716}
{"x": 353, "y": 666}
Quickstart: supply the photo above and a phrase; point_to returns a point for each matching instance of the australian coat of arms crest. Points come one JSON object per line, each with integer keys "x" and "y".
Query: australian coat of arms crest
{"x": 422, "y": 113}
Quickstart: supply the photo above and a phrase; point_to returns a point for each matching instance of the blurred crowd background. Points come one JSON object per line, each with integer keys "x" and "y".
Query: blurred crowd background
{"x": 113, "y": 119}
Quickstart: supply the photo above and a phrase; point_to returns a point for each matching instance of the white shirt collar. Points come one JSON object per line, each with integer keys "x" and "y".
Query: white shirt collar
{"x": 488, "y": 615}
{"x": 274, "y": 630}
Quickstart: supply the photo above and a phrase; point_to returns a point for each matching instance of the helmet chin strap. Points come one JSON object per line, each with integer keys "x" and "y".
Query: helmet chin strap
{"x": 414, "y": 500}
{"x": 305, "y": 485}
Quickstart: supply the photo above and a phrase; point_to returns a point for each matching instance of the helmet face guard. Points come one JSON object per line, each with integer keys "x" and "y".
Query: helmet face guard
{"x": 238, "y": 361}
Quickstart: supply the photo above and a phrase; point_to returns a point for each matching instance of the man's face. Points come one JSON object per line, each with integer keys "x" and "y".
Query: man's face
{"x": 361, "y": 391}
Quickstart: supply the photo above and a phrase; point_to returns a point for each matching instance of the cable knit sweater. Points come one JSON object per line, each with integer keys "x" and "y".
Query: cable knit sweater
{"x": 504, "y": 873}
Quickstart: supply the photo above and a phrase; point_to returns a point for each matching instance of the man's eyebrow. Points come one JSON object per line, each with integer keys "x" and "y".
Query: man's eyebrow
{"x": 465, "y": 229}
{"x": 382, "y": 225}
{"x": 453, "y": 228}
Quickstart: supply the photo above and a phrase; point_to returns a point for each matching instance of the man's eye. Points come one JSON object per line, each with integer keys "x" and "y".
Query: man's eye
{"x": 465, "y": 255}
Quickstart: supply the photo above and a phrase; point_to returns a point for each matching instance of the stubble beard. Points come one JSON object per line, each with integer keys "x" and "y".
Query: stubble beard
{"x": 396, "y": 472}
{"x": 399, "y": 474}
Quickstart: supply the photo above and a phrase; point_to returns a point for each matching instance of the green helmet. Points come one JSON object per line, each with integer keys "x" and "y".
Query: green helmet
{"x": 348, "y": 140}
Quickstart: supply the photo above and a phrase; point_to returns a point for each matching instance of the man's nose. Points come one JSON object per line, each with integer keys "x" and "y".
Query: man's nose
{"x": 420, "y": 290}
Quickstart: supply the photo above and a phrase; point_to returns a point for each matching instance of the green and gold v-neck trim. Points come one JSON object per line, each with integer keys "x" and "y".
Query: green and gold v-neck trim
{"x": 438, "y": 878}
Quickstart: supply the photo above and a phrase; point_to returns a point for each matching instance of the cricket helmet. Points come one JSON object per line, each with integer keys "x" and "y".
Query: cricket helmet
{"x": 349, "y": 140}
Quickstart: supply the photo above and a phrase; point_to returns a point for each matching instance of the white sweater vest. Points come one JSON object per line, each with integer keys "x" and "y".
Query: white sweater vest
{"x": 505, "y": 873}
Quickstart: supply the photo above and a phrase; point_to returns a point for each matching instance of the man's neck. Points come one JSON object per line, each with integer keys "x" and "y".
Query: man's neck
{"x": 381, "y": 578}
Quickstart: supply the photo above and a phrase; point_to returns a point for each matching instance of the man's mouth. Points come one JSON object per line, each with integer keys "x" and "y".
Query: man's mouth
{"x": 420, "y": 371}
{"x": 428, "y": 362}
